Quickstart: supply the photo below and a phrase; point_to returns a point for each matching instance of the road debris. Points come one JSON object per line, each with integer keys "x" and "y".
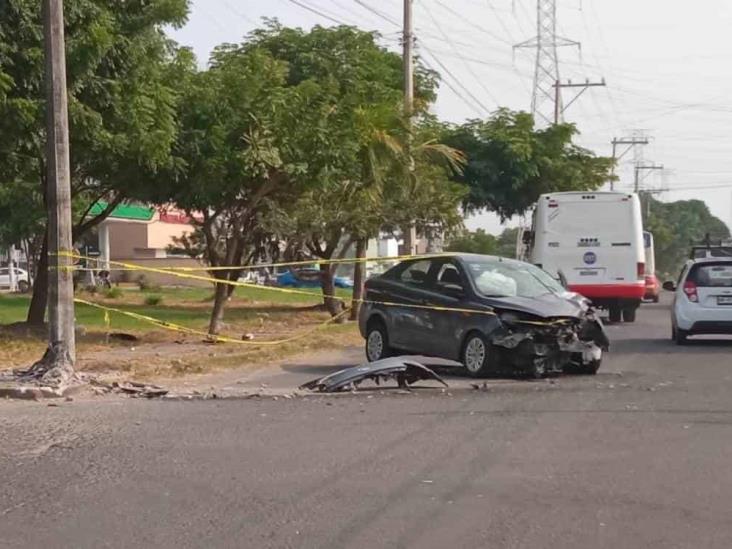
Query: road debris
{"x": 405, "y": 372}
{"x": 132, "y": 388}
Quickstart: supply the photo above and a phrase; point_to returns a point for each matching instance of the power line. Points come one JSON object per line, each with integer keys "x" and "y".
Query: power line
{"x": 317, "y": 12}
{"x": 377, "y": 12}
{"x": 471, "y": 23}
{"x": 449, "y": 85}
{"x": 467, "y": 66}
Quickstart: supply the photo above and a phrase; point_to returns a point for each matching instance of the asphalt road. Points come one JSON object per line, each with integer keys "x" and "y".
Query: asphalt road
{"x": 637, "y": 456}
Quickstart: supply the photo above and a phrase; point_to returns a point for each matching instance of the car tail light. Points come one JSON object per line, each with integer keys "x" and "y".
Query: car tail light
{"x": 641, "y": 270}
{"x": 690, "y": 291}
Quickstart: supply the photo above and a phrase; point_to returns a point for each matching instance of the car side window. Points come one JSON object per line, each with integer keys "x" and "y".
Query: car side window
{"x": 416, "y": 273}
{"x": 4, "y": 272}
{"x": 449, "y": 277}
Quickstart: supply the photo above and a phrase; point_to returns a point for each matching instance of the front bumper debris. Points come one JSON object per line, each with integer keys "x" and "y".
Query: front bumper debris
{"x": 405, "y": 372}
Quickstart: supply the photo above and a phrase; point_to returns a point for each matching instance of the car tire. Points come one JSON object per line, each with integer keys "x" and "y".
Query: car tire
{"x": 478, "y": 356}
{"x": 629, "y": 314}
{"x": 615, "y": 314}
{"x": 681, "y": 336}
{"x": 590, "y": 369}
{"x": 23, "y": 287}
{"x": 576, "y": 367}
{"x": 377, "y": 341}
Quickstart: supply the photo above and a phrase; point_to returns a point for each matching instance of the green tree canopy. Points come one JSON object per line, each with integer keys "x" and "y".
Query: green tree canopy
{"x": 511, "y": 162}
{"x": 676, "y": 226}
{"x": 121, "y": 104}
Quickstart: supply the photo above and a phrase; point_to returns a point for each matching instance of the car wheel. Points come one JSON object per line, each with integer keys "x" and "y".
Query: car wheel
{"x": 629, "y": 314}
{"x": 23, "y": 287}
{"x": 478, "y": 355}
{"x": 681, "y": 336}
{"x": 577, "y": 367}
{"x": 615, "y": 314}
{"x": 591, "y": 368}
{"x": 377, "y": 341}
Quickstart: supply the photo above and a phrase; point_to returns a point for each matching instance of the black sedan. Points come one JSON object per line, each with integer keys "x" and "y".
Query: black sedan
{"x": 494, "y": 315}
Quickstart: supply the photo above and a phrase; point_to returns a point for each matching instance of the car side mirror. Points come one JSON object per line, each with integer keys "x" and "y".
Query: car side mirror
{"x": 669, "y": 286}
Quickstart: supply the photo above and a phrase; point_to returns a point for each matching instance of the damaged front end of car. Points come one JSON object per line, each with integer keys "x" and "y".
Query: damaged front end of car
{"x": 539, "y": 347}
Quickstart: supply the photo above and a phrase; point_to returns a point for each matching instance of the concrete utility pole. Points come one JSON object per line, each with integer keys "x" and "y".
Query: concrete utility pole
{"x": 61, "y": 355}
{"x": 410, "y": 232}
{"x": 558, "y": 86}
{"x": 630, "y": 142}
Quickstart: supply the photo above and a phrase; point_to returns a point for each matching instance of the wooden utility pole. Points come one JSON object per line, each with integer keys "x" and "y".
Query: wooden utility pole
{"x": 61, "y": 355}
{"x": 410, "y": 232}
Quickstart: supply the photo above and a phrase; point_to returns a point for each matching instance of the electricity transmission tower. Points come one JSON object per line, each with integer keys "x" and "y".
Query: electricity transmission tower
{"x": 546, "y": 99}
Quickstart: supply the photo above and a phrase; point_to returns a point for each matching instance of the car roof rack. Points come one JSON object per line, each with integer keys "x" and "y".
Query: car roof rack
{"x": 710, "y": 248}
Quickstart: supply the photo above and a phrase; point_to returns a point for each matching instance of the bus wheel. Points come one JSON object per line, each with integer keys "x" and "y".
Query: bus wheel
{"x": 629, "y": 314}
{"x": 615, "y": 314}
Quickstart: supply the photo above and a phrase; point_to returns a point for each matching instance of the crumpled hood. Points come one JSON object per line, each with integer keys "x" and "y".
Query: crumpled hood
{"x": 546, "y": 306}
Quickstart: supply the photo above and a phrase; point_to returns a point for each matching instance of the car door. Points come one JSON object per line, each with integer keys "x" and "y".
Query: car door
{"x": 4, "y": 278}
{"x": 449, "y": 292}
{"x": 411, "y": 321}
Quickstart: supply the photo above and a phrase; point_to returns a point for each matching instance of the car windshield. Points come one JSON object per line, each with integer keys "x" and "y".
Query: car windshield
{"x": 495, "y": 278}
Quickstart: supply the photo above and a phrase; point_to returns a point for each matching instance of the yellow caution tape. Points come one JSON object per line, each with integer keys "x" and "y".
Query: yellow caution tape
{"x": 342, "y": 261}
{"x": 214, "y": 338}
{"x": 292, "y": 291}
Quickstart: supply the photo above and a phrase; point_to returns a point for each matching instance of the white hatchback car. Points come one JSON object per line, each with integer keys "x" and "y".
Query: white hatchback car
{"x": 703, "y": 299}
{"x": 21, "y": 278}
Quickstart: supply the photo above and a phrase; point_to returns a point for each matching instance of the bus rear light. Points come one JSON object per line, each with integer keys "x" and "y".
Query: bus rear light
{"x": 641, "y": 271}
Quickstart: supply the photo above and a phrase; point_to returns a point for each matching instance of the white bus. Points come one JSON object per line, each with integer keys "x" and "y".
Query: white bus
{"x": 594, "y": 241}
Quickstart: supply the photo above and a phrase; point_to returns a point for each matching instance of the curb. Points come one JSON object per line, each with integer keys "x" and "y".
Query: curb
{"x": 35, "y": 392}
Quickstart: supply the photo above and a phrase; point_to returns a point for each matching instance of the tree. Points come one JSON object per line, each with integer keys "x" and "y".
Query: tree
{"x": 359, "y": 165}
{"x": 676, "y": 226}
{"x": 511, "y": 163}
{"x": 481, "y": 242}
{"x": 121, "y": 106}
{"x": 238, "y": 154}
{"x": 475, "y": 242}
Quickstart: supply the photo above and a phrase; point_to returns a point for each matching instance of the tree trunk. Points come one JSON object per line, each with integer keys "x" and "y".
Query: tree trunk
{"x": 221, "y": 295}
{"x": 333, "y": 305}
{"x": 233, "y": 277}
{"x": 409, "y": 235}
{"x": 359, "y": 276}
{"x": 39, "y": 301}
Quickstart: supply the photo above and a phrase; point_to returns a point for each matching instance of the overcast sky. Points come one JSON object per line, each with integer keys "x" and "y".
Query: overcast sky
{"x": 665, "y": 63}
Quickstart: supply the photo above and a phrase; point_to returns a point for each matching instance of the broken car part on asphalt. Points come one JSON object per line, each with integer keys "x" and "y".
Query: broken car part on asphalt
{"x": 405, "y": 372}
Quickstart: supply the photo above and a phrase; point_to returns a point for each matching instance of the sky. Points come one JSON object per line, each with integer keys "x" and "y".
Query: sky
{"x": 665, "y": 63}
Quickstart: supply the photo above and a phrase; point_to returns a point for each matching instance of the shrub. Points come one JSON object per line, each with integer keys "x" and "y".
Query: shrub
{"x": 113, "y": 293}
{"x": 153, "y": 300}
{"x": 145, "y": 285}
